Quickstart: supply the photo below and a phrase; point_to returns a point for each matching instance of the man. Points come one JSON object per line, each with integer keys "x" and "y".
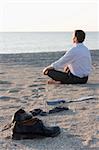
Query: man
{"x": 76, "y": 63}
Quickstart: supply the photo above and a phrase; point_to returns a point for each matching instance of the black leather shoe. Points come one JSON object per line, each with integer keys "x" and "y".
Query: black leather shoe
{"x": 58, "y": 109}
{"x": 39, "y": 112}
{"x": 33, "y": 128}
{"x": 21, "y": 115}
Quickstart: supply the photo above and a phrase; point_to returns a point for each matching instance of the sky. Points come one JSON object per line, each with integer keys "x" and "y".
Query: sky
{"x": 48, "y": 15}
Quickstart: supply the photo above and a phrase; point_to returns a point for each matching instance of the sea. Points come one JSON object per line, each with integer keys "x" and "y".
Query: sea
{"x": 34, "y": 42}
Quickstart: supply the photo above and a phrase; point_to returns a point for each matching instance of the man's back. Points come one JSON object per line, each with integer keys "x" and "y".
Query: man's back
{"x": 80, "y": 64}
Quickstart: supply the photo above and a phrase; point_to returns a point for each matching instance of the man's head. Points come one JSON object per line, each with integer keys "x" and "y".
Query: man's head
{"x": 78, "y": 36}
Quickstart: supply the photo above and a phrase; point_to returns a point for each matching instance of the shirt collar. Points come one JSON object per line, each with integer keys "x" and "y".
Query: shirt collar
{"x": 78, "y": 44}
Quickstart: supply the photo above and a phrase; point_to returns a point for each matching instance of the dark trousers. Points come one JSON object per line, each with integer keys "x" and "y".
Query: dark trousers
{"x": 66, "y": 78}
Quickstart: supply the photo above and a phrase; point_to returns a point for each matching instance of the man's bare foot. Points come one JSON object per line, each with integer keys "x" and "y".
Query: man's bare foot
{"x": 53, "y": 82}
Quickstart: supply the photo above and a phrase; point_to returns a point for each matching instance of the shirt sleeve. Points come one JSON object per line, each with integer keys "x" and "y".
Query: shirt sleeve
{"x": 66, "y": 59}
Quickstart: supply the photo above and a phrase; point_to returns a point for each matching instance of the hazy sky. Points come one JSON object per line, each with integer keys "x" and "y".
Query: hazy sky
{"x": 49, "y": 15}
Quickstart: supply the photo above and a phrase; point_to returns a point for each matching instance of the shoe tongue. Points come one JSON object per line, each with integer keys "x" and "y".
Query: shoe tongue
{"x": 21, "y": 115}
{"x": 27, "y": 116}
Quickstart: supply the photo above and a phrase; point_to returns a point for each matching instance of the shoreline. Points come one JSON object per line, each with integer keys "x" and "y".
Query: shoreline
{"x": 37, "y": 59}
{"x": 40, "y": 52}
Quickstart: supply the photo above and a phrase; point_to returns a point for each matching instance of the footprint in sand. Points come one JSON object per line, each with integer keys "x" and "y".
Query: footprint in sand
{"x": 97, "y": 118}
{"x": 5, "y": 82}
{"x": 3, "y": 90}
{"x": 2, "y": 118}
{"x": 11, "y": 106}
{"x": 35, "y": 90}
{"x": 24, "y": 99}
{"x": 14, "y": 90}
{"x": 37, "y": 96}
{"x": 5, "y": 98}
{"x": 36, "y": 85}
{"x": 40, "y": 89}
{"x": 40, "y": 79}
{"x": 2, "y": 72}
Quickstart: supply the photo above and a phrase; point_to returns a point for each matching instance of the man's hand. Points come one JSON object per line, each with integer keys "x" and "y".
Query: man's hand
{"x": 45, "y": 71}
{"x": 66, "y": 69}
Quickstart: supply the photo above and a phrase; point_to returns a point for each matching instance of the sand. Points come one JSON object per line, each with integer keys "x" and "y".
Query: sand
{"x": 22, "y": 85}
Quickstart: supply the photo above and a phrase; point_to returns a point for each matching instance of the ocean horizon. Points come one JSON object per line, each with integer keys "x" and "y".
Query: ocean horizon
{"x": 34, "y": 42}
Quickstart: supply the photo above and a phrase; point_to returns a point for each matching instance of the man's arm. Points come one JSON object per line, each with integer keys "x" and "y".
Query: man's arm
{"x": 66, "y": 59}
{"x": 61, "y": 63}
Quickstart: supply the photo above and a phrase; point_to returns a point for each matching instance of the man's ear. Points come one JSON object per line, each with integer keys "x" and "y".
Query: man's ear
{"x": 75, "y": 40}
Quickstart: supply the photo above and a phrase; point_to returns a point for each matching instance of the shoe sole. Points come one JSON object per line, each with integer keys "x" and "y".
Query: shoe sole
{"x": 17, "y": 136}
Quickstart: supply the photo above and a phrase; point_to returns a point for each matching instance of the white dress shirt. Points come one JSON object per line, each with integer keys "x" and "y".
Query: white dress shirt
{"x": 78, "y": 59}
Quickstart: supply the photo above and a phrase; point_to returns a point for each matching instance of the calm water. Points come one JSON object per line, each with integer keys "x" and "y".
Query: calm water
{"x": 27, "y": 42}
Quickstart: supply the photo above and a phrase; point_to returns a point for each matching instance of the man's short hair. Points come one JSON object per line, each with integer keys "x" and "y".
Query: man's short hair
{"x": 80, "y": 34}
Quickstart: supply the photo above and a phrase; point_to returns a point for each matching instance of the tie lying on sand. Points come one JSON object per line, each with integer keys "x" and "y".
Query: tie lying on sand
{"x": 62, "y": 101}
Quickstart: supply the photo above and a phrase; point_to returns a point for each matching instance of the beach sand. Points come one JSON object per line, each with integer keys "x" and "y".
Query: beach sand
{"x": 22, "y": 85}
